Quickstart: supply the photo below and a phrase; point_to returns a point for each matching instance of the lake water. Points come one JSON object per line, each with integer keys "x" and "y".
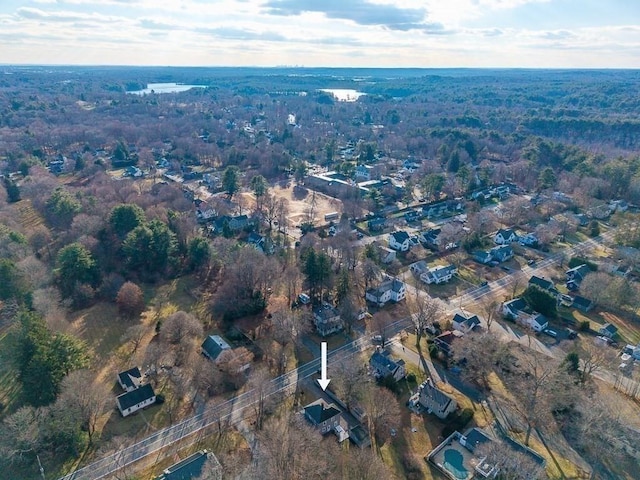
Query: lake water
{"x": 344, "y": 94}
{"x": 165, "y": 88}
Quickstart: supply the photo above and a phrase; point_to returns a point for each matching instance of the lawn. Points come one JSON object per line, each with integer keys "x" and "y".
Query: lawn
{"x": 628, "y": 331}
{"x": 10, "y": 388}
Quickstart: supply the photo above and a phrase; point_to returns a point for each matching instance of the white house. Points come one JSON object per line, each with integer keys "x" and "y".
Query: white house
{"x": 131, "y": 402}
{"x": 439, "y": 274}
{"x": 400, "y": 241}
{"x": 419, "y": 267}
{"x": 536, "y": 321}
{"x": 130, "y": 380}
{"x": 364, "y": 173}
{"x": 505, "y": 235}
{"x": 387, "y": 255}
{"x": 322, "y": 415}
{"x": 390, "y": 290}
{"x": 465, "y": 324}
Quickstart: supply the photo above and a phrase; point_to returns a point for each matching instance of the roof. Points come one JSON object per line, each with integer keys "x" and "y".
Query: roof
{"x": 481, "y": 254}
{"x": 213, "y": 346}
{"x": 134, "y": 397}
{"x": 609, "y": 328}
{"x": 471, "y": 321}
{"x": 442, "y": 271}
{"x": 187, "y": 469}
{"x": 325, "y": 311}
{"x": 516, "y": 304}
{"x": 506, "y": 232}
{"x": 383, "y": 360}
{"x": 429, "y": 390}
{"x": 543, "y": 283}
{"x": 320, "y": 411}
{"x": 580, "y": 271}
{"x": 392, "y": 284}
{"x": 501, "y": 249}
{"x": 131, "y": 378}
{"x": 581, "y": 302}
{"x": 401, "y": 236}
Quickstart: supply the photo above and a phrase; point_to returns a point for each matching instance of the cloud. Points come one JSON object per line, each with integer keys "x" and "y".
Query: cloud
{"x": 558, "y": 35}
{"x": 29, "y": 13}
{"x": 233, "y": 33}
{"x": 359, "y": 11}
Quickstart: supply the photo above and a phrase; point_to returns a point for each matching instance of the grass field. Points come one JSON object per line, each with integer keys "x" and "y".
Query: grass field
{"x": 10, "y": 388}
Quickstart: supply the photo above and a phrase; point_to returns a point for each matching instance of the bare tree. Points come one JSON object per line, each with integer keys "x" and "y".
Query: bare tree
{"x": 593, "y": 358}
{"x": 179, "y": 326}
{"x": 490, "y": 310}
{"x": 508, "y": 462}
{"x": 481, "y": 353}
{"x": 130, "y": 300}
{"x": 79, "y": 391}
{"x": 20, "y": 438}
{"x": 425, "y": 310}
{"x": 348, "y": 379}
{"x": 134, "y": 336}
{"x": 286, "y": 328}
{"x": 383, "y": 413}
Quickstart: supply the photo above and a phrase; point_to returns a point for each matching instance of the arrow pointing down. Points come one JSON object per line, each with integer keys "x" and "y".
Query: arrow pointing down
{"x": 323, "y": 381}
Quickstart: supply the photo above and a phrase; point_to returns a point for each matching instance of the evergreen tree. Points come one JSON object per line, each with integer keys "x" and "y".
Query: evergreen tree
{"x": 230, "y": 180}
{"x": 75, "y": 265}
{"x": 125, "y": 217}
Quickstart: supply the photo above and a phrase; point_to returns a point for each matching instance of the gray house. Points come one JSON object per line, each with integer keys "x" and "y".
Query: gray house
{"x": 130, "y": 380}
{"x": 323, "y": 416}
{"x": 435, "y": 400}
{"x": 202, "y": 465}
{"x": 213, "y": 346}
{"x": 385, "y": 366}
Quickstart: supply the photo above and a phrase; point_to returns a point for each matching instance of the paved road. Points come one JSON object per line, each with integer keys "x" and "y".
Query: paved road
{"x": 285, "y": 383}
{"x": 230, "y": 409}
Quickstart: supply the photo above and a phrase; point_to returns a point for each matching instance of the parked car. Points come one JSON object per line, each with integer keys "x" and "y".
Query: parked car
{"x": 551, "y": 333}
{"x": 484, "y": 283}
{"x": 571, "y": 334}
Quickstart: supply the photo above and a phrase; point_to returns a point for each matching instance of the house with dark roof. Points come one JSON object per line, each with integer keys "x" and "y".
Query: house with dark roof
{"x": 131, "y": 402}
{"x": 391, "y": 290}
{"x": 505, "y": 235}
{"x": 430, "y": 237}
{"x": 419, "y": 267}
{"x": 512, "y": 308}
{"x": 376, "y": 224}
{"x": 439, "y": 274}
{"x": 384, "y": 365}
{"x": 202, "y": 465}
{"x": 575, "y": 276}
{"x": 482, "y": 256}
{"x": 581, "y": 303}
{"x": 465, "y": 324}
{"x": 608, "y": 330}
{"x": 435, "y": 400}
{"x": 130, "y": 380}
{"x": 327, "y": 319}
{"x": 544, "y": 284}
{"x": 501, "y": 253}
{"x": 322, "y": 415}
{"x": 213, "y": 346}
{"x": 445, "y": 339}
{"x": 400, "y": 241}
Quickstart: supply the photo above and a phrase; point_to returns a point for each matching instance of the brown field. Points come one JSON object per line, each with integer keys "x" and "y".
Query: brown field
{"x": 300, "y": 200}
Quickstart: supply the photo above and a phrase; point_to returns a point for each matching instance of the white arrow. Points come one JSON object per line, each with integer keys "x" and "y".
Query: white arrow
{"x": 323, "y": 381}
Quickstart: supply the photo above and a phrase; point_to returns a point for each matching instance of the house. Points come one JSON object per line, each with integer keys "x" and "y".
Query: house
{"x": 513, "y": 308}
{"x": 439, "y": 274}
{"x": 430, "y": 237}
{"x": 256, "y": 240}
{"x": 238, "y": 222}
{"x": 364, "y": 173}
{"x": 327, "y": 319}
{"x": 535, "y": 321}
{"x": 582, "y": 219}
{"x": 322, "y": 415}
{"x": 501, "y": 253}
{"x": 435, "y": 400}
{"x": 529, "y": 240}
{"x": 202, "y": 465}
{"x": 386, "y": 254}
{"x": 130, "y": 380}
{"x": 482, "y": 256}
{"x": 390, "y": 290}
{"x": 411, "y": 216}
{"x": 445, "y": 339}
{"x": 575, "y": 276}
{"x": 131, "y": 402}
{"x": 473, "y": 438}
{"x": 544, "y": 284}
{"x": 581, "y": 303}
{"x": 384, "y": 365}
{"x": 400, "y": 241}
{"x": 213, "y": 346}
{"x": 376, "y": 224}
{"x": 608, "y": 330}
{"x": 465, "y": 324}
{"x": 419, "y": 267}
{"x": 505, "y": 235}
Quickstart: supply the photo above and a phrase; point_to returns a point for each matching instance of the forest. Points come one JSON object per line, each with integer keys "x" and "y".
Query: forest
{"x": 100, "y": 269}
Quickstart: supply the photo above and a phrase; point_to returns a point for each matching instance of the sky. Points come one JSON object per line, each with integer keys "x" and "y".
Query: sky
{"x": 329, "y": 33}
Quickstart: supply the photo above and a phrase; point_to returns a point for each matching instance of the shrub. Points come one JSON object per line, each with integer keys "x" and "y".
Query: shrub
{"x": 411, "y": 467}
{"x": 577, "y": 261}
{"x": 584, "y": 326}
{"x": 411, "y": 378}
{"x": 457, "y": 421}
